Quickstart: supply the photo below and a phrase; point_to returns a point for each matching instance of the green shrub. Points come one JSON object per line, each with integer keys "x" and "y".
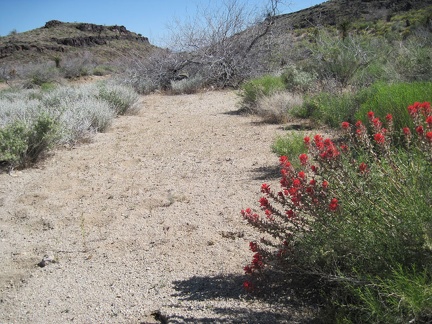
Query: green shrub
{"x": 41, "y": 137}
{"x": 13, "y": 143}
{"x": 253, "y": 90}
{"x": 355, "y": 223}
{"x": 291, "y": 144}
{"x": 298, "y": 80}
{"x": 329, "y": 108}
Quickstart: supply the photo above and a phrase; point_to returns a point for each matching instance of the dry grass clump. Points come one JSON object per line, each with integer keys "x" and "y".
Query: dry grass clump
{"x": 276, "y": 107}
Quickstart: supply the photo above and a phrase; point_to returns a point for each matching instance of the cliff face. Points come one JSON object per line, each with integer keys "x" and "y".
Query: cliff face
{"x": 61, "y": 37}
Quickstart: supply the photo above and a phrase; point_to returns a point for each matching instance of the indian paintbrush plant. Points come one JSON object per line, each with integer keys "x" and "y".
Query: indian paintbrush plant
{"x": 354, "y": 218}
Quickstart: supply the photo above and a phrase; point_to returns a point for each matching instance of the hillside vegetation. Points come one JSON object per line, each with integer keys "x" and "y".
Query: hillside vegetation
{"x": 351, "y": 223}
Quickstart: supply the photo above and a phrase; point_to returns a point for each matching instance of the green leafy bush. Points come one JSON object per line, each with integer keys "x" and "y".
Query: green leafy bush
{"x": 355, "y": 222}
{"x": 13, "y": 143}
{"x": 329, "y": 108}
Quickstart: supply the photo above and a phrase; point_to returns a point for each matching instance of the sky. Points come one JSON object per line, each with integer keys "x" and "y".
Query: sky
{"x": 150, "y": 18}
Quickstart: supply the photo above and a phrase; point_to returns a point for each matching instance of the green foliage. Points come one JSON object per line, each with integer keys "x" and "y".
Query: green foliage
{"x": 291, "y": 145}
{"x": 298, "y": 80}
{"x": 356, "y": 220}
{"x": 22, "y": 145}
{"x": 383, "y": 98}
{"x": 329, "y": 108}
{"x": 253, "y": 90}
{"x": 41, "y": 137}
{"x": 13, "y": 143}
{"x": 404, "y": 296}
{"x": 341, "y": 60}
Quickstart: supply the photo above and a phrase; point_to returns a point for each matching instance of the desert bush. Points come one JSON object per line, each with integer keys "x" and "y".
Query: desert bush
{"x": 341, "y": 60}
{"x": 32, "y": 121}
{"x": 329, "y": 108}
{"x": 121, "y": 98}
{"x": 13, "y": 143}
{"x": 187, "y": 86}
{"x": 413, "y": 60}
{"x": 77, "y": 66}
{"x": 276, "y": 107}
{"x": 354, "y": 222}
{"x": 38, "y": 74}
{"x": 297, "y": 80}
{"x": 267, "y": 85}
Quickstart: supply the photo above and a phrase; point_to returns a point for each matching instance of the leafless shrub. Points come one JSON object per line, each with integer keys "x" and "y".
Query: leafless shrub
{"x": 221, "y": 45}
{"x": 276, "y": 108}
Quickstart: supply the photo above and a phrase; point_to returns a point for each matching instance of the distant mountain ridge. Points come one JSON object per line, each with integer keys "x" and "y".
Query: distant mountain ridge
{"x": 62, "y": 37}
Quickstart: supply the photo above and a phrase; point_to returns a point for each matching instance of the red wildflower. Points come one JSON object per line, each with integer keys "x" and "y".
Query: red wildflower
{"x": 247, "y": 285}
{"x": 413, "y": 109}
{"x": 371, "y": 115}
{"x": 420, "y": 130}
{"x": 303, "y": 158}
{"x": 284, "y": 162}
{"x": 314, "y": 168}
{"x": 253, "y": 246}
{"x": 247, "y": 269}
{"x": 290, "y": 213}
{"x": 429, "y": 137}
{"x": 257, "y": 261}
{"x": 265, "y": 188}
{"x": 306, "y": 140}
{"x": 389, "y": 117}
{"x": 429, "y": 121}
{"x": 325, "y": 184}
{"x": 333, "y": 204}
{"x": 377, "y": 123}
{"x": 406, "y": 131}
{"x": 363, "y": 168}
{"x": 345, "y": 125}
{"x": 301, "y": 175}
{"x": 312, "y": 182}
{"x": 268, "y": 214}
{"x": 263, "y": 202}
{"x": 296, "y": 182}
{"x": 344, "y": 148}
{"x": 358, "y": 124}
{"x": 425, "y": 108}
{"x": 379, "y": 138}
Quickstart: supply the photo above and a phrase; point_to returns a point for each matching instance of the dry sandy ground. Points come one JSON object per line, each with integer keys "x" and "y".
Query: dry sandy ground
{"x": 144, "y": 220}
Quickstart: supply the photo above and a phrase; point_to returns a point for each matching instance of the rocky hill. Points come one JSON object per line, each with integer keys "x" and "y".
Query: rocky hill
{"x": 334, "y": 12}
{"x": 57, "y": 38}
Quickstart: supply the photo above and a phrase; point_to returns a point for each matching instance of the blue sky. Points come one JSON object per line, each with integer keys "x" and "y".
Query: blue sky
{"x": 147, "y": 17}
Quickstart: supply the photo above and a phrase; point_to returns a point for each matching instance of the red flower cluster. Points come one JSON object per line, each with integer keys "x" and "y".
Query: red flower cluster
{"x": 334, "y": 204}
{"x": 418, "y": 108}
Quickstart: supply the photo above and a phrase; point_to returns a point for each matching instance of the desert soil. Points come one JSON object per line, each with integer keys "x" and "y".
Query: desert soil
{"x": 143, "y": 224}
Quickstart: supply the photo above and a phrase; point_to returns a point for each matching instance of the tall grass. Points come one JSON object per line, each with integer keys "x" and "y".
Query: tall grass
{"x": 383, "y": 98}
